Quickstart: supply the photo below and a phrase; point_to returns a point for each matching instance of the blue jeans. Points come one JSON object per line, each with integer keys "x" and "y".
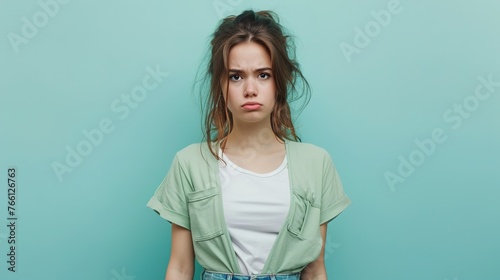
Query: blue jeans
{"x": 212, "y": 275}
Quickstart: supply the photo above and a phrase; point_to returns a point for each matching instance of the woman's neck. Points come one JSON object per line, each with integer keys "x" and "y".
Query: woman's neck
{"x": 259, "y": 138}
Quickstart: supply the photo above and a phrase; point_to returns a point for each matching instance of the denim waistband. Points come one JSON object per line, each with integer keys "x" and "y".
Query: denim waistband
{"x": 213, "y": 275}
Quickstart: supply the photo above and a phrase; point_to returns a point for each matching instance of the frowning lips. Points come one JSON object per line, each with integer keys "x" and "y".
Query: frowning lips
{"x": 251, "y": 105}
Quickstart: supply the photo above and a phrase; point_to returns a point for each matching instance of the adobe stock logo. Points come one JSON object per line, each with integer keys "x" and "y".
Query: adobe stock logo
{"x": 330, "y": 246}
{"x": 122, "y": 275}
{"x": 40, "y": 19}
{"x": 122, "y": 107}
{"x": 455, "y": 117}
{"x": 224, "y": 7}
{"x": 363, "y": 36}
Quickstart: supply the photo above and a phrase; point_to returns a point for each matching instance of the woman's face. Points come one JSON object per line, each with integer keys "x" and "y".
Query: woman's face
{"x": 250, "y": 80}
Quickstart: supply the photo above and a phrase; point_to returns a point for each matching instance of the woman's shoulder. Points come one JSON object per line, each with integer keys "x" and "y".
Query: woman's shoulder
{"x": 296, "y": 149}
{"x": 305, "y": 148}
{"x": 195, "y": 152}
{"x": 192, "y": 149}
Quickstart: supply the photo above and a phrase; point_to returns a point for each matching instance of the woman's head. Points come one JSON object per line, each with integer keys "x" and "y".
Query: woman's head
{"x": 250, "y": 80}
{"x": 261, "y": 32}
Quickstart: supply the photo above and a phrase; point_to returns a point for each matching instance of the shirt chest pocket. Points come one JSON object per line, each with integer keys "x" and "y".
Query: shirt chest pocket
{"x": 305, "y": 216}
{"x": 204, "y": 213}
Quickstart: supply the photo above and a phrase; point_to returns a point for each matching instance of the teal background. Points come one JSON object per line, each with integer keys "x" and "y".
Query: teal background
{"x": 367, "y": 109}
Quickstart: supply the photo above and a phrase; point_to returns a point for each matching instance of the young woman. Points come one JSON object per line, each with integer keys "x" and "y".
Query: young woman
{"x": 251, "y": 201}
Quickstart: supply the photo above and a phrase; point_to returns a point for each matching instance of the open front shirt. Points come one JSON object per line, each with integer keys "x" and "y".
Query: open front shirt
{"x": 190, "y": 196}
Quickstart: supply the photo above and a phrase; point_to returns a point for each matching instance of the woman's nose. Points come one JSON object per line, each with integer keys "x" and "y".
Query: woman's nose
{"x": 250, "y": 87}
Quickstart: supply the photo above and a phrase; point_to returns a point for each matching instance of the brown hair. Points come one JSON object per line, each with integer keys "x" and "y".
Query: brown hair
{"x": 262, "y": 28}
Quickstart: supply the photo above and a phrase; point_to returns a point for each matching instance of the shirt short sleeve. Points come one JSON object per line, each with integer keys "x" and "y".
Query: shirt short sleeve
{"x": 169, "y": 199}
{"x": 333, "y": 199}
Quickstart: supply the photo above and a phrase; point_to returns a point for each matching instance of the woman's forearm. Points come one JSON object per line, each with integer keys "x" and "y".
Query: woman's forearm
{"x": 174, "y": 273}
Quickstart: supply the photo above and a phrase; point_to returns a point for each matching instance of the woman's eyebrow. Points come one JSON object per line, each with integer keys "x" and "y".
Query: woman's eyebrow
{"x": 256, "y": 70}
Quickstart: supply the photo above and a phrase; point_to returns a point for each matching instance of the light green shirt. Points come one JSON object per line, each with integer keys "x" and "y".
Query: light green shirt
{"x": 190, "y": 196}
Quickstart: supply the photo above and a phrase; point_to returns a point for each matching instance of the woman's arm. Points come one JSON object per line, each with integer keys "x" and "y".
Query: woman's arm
{"x": 181, "y": 264}
{"x": 316, "y": 270}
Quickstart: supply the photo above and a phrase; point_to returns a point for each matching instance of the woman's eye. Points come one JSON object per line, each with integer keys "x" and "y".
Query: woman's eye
{"x": 235, "y": 77}
{"x": 264, "y": 75}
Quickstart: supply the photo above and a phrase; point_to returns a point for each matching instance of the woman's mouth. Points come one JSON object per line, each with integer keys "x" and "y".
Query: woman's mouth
{"x": 251, "y": 107}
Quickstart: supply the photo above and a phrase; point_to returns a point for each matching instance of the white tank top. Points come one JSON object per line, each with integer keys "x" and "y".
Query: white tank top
{"x": 255, "y": 208}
